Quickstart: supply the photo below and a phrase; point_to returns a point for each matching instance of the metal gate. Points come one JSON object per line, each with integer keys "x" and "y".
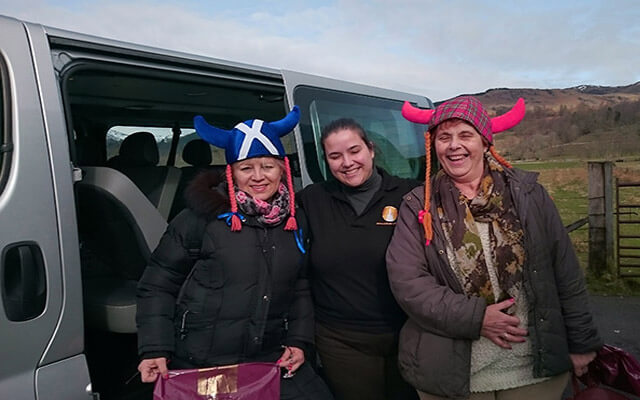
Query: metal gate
{"x": 628, "y": 228}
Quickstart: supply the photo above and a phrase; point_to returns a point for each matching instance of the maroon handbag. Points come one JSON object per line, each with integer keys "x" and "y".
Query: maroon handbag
{"x": 612, "y": 367}
{"x": 594, "y": 392}
{"x": 249, "y": 381}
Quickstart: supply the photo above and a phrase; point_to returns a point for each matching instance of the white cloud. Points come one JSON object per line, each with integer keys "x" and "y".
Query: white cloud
{"x": 434, "y": 48}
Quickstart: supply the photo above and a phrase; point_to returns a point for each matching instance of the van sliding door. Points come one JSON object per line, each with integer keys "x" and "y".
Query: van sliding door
{"x": 399, "y": 143}
{"x": 31, "y": 283}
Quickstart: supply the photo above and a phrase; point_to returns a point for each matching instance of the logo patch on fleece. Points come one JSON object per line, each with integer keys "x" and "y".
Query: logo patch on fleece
{"x": 389, "y": 216}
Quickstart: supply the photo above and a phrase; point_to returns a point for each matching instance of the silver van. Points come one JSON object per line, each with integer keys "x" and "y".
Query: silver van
{"x": 96, "y": 144}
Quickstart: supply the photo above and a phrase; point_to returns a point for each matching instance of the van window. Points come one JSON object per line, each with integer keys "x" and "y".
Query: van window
{"x": 5, "y": 143}
{"x": 164, "y": 139}
{"x": 399, "y": 144}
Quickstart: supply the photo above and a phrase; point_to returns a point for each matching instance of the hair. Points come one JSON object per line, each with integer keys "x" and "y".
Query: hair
{"x": 345, "y": 124}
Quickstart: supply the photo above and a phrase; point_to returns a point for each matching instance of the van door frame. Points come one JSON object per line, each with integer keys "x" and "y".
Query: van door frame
{"x": 294, "y": 79}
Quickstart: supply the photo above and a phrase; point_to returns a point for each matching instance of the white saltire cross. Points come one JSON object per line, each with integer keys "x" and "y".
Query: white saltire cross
{"x": 251, "y": 134}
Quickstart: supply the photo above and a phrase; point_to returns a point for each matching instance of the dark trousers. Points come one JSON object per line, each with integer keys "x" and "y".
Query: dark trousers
{"x": 361, "y": 365}
{"x": 305, "y": 385}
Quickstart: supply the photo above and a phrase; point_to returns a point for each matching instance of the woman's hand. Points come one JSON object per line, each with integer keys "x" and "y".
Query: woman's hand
{"x": 581, "y": 362}
{"x": 291, "y": 359}
{"x": 151, "y": 368}
{"x": 502, "y": 328}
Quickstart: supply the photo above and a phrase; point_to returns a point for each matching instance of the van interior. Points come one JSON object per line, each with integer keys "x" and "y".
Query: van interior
{"x": 134, "y": 144}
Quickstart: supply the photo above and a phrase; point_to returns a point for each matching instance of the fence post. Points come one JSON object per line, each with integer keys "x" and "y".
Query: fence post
{"x": 601, "y": 257}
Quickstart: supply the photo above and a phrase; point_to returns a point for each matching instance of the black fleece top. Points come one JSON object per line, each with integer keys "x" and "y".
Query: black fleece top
{"x": 347, "y": 256}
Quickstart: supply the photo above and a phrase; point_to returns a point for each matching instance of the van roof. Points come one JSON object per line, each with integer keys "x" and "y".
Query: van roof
{"x": 65, "y": 39}
{"x": 61, "y": 38}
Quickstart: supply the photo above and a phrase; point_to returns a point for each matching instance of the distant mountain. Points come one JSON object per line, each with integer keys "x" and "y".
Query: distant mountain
{"x": 583, "y": 95}
{"x": 582, "y": 122}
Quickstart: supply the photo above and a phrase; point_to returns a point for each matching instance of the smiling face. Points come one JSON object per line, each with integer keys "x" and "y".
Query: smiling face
{"x": 259, "y": 177}
{"x": 460, "y": 150}
{"x": 349, "y": 157}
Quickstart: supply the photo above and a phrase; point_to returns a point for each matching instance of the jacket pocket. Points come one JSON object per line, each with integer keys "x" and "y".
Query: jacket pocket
{"x": 194, "y": 336}
{"x": 435, "y": 364}
{"x": 198, "y": 313}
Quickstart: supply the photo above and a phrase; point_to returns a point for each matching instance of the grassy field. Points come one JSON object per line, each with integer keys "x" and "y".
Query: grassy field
{"x": 567, "y": 184}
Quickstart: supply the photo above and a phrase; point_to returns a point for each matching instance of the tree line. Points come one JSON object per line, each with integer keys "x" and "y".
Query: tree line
{"x": 576, "y": 132}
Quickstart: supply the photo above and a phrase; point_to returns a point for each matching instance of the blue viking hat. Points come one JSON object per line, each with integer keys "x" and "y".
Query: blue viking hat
{"x": 249, "y": 139}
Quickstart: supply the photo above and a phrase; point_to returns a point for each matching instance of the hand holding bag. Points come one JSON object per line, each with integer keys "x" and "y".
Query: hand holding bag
{"x": 249, "y": 381}
{"x": 612, "y": 367}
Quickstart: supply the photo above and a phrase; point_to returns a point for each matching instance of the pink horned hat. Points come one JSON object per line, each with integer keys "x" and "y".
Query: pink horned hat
{"x": 470, "y": 110}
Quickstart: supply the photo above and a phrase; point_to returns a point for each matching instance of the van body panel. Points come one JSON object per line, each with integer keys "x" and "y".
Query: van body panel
{"x": 67, "y": 340}
{"x": 67, "y": 379}
{"x": 29, "y": 223}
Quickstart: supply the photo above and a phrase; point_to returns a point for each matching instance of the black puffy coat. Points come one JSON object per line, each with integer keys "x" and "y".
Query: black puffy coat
{"x": 245, "y": 296}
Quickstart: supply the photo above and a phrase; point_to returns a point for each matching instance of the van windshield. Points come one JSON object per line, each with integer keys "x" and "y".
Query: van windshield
{"x": 399, "y": 143}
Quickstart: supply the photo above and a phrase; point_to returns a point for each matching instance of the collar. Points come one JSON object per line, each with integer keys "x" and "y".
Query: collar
{"x": 334, "y": 186}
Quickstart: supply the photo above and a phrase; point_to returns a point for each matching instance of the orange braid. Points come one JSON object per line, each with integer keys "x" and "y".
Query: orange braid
{"x": 498, "y": 157}
{"x": 425, "y": 216}
{"x": 292, "y": 224}
{"x": 236, "y": 224}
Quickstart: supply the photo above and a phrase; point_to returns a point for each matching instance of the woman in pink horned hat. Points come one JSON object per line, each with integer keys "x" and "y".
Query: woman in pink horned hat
{"x": 483, "y": 267}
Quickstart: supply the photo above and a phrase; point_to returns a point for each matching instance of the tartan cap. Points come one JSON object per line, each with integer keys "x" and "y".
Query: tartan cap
{"x": 466, "y": 108}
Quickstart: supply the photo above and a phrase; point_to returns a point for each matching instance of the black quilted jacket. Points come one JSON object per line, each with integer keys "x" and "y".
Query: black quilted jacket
{"x": 245, "y": 296}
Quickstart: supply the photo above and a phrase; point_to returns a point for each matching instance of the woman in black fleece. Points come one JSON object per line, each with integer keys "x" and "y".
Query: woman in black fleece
{"x": 351, "y": 220}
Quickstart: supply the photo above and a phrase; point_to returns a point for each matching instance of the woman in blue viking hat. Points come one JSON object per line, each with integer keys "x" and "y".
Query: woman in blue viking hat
{"x": 245, "y": 295}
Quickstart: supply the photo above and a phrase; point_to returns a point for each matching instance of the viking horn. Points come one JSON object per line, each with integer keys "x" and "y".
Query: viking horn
{"x": 286, "y": 124}
{"x": 509, "y": 119}
{"x": 215, "y": 136}
{"x": 416, "y": 115}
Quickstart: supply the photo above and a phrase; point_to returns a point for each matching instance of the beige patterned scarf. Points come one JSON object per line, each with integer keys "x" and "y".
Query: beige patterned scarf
{"x": 493, "y": 205}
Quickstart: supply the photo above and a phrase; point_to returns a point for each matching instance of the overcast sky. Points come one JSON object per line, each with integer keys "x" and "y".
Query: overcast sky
{"x": 434, "y": 48}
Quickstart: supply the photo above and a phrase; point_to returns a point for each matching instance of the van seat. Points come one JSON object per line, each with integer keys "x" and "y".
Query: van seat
{"x": 110, "y": 304}
{"x": 119, "y": 228}
{"x": 196, "y": 153}
{"x": 138, "y": 159}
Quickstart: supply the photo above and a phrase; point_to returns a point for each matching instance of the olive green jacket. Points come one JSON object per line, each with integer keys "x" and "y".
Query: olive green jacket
{"x": 435, "y": 343}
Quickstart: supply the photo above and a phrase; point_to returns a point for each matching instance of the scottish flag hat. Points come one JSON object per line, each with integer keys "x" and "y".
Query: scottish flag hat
{"x": 249, "y": 139}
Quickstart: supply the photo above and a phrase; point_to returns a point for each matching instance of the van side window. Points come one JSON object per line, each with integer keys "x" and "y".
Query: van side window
{"x": 163, "y": 138}
{"x": 399, "y": 144}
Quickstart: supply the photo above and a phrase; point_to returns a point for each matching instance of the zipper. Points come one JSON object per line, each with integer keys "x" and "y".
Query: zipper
{"x": 183, "y": 329}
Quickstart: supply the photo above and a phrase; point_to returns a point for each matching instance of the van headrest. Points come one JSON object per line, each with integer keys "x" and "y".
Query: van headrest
{"x": 139, "y": 149}
{"x": 197, "y": 153}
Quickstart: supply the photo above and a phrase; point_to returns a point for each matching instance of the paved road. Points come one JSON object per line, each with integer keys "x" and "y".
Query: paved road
{"x": 618, "y": 320}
